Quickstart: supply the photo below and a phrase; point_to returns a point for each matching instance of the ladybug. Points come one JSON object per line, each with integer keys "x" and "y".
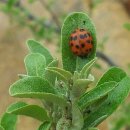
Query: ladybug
{"x": 81, "y": 42}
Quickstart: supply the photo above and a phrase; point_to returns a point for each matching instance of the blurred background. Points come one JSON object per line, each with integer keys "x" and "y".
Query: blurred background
{"x": 42, "y": 20}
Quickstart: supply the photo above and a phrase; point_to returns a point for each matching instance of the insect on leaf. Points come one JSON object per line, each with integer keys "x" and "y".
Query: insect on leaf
{"x": 76, "y": 20}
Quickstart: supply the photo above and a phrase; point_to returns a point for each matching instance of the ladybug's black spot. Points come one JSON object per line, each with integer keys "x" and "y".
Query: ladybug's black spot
{"x": 82, "y": 45}
{"x": 90, "y": 49}
{"x": 75, "y": 38}
{"x": 71, "y": 38}
{"x": 81, "y": 36}
{"x": 71, "y": 44}
{"x": 88, "y": 41}
{"x": 77, "y": 46}
{"x": 85, "y": 35}
{"x": 82, "y": 30}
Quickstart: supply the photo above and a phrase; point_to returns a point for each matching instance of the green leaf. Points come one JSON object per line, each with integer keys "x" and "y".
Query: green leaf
{"x": 50, "y": 77}
{"x": 1, "y": 128}
{"x": 80, "y": 85}
{"x": 54, "y": 63}
{"x": 45, "y": 126}
{"x": 63, "y": 72}
{"x": 95, "y": 94}
{"x": 115, "y": 98}
{"x": 35, "y": 87}
{"x": 36, "y": 47}
{"x": 34, "y": 111}
{"x": 55, "y": 75}
{"x": 98, "y": 121}
{"x": 35, "y": 64}
{"x": 87, "y": 68}
{"x": 71, "y": 23}
{"x": 77, "y": 118}
{"x": 8, "y": 121}
{"x": 113, "y": 74}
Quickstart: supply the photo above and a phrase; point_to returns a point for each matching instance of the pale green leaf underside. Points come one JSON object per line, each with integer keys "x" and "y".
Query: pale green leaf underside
{"x": 35, "y": 87}
{"x": 87, "y": 67}
{"x": 63, "y": 72}
{"x": 80, "y": 86}
{"x": 72, "y": 22}
{"x": 95, "y": 94}
{"x": 115, "y": 98}
{"x": 77, "y": 118}
{"x": 36, "y": 47}
{"x": 35, "y": 64}
{"x": 55, "y": 75}
{"x": 34, "y": 111}
{"x": 8, "y": 121}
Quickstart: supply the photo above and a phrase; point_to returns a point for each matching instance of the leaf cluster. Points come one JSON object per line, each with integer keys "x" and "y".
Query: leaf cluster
{"x": 68, "y": 104}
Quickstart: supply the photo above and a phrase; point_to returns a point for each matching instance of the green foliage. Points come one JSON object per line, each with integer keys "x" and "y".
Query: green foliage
{"x": 68, "y": 104}
{"x": 35, "y": 87}
{"x": 45, "y": 126}
{"x": 115, "y": 97}
{"x": 8, "y": 122}
{"x": 35, "y": 64}
{"x": 34, "y": 111}
{"x": 77, "y": 119}
{"x": 96, "y": 94}
{"x": 36, "y": 47}
{"x": 72, "y": 22}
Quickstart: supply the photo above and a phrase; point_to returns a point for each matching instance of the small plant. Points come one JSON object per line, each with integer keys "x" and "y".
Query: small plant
{"x": 67, "y": 103}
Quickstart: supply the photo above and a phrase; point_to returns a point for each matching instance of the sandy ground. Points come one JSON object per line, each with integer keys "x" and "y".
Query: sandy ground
{"x": 108, "y": 17}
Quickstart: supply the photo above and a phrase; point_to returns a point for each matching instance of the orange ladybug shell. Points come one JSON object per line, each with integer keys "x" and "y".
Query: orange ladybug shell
{"x": 81, "y": 42}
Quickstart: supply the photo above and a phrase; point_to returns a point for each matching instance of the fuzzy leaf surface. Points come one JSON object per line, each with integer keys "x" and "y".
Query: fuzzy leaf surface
{"x": 8, "y": 121}
{"x": 63, "y": 72}
{"x": 77, "y": 118}
{"x": 115, "y": 98}
{"x": 35, "y": 87}
{"x": 36, "y": 47}
{"x": 113, "y": 74}
{"x": 87, "y": 67}
{"x": 35, "y": 64}
{"x": 34, "y": 111}
{"x": 95, "y": 94}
